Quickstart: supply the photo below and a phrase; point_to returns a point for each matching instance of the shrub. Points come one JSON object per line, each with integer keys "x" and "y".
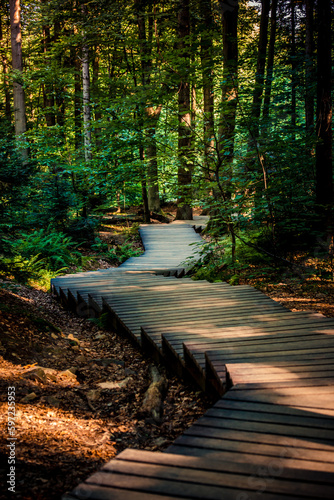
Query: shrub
{"x": 55, "y": 250}
{"x": 82, "y": 230}
{"x": 122, "y": 253}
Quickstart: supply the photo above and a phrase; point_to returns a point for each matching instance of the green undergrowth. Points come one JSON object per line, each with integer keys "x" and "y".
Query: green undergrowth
{"x": 255, "y": 263}
{"x": 35, "y": 257}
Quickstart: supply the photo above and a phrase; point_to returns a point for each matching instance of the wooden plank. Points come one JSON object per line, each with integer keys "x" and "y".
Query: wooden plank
{"x": 94, "y": 492}
{"x": 317, "y": 387}
{"x": 298, "y": 355}
{"x": 308, "y": 401}
{"x": 171, "y": 487}
{"x": 278, "y": 463}
{"x": 207, "y": 464}
{"x": 284, "y": 446}
{"x": 294, "y": 379}
{"x": 261, "y": 337}
{"x": 271, "y": 409}
{"x": 209, "y": 317}
{"x": 211, "y": 478}
{"x": 300, "y": 343}
{"x": 187, "y": 301}
{"x": 325, "y": 436}
{"x": 243, "y": 412}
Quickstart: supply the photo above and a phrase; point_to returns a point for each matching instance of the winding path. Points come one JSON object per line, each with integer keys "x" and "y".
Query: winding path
{"x": 270, "y": 434}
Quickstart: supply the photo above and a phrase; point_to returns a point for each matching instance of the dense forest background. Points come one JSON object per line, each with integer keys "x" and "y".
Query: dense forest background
{"x": 222, "y": 105}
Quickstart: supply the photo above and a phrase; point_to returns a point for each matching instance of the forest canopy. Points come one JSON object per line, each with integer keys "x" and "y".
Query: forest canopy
{"x": 223, "y": 105}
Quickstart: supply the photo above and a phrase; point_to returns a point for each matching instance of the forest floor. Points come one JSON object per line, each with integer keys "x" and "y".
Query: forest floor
{"x": 66, "y": 424}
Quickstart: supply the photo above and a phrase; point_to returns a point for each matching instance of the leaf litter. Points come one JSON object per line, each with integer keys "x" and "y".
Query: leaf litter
{"x": 79, "y": 392}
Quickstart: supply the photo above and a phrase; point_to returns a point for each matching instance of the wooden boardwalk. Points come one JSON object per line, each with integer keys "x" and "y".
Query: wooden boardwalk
{"x": 270, "y": 435}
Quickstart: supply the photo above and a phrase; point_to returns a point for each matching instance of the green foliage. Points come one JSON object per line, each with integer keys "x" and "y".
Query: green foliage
{"x": 122, "y": 253}
{"x": 54, "y": 250}
{"x": 82, "y": 230}
{"x": 20, "y": 268}
{"x": 217, "y": 262}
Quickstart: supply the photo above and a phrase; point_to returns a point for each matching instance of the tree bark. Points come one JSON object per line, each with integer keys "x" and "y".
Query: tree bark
{"x": 230, "y": 86}
{"x": 147, "y": 218}
{"x": 86, "y": 98}
{"x": 152, "y": 114}
{"x": 270, "y": 61}
{"x": 324, "y": 167}
{"x": 59, "y": 88}
{"x": 48, "y": 98}
{"x": 293, "y": 64}
{"x": 77, "y": 101}
{"x": 207, "y": 79}
{"x": 260, "y": 67}
{"x": 184, "y": 176}
{"x": 19, "y": 98}
{"x": 95, "y": 92}
{"x": 309, "y": 66}
{"x": 4, "y": 48}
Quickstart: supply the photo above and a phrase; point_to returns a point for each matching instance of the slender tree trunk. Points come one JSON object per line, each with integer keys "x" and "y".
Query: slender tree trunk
{"x": 270, "y": 62}
{"x": 77, "y": 101}
{"x": 147, "y": 219}
{"x": 95, "y": 91}
{"x": 260, "y": 67}
{"x": 293, "y": 64}
{"x": 8, "y": 111}
{"x": 309, "y": 69}
{"x": 152, "y": 114}
{"x": 19, "y": 99}
{"x": 229, "y": 88}
{"x": 324, "y": 167}
{"x": 184, "y": 210}
{"x": 48, "y": 98}
{"x": 4, "y": 48}
{"x": 228, "y": 108}
{"x": 86, "y": 99}
{"x": 207, "y": 79}
{"x": 59, "y": 88}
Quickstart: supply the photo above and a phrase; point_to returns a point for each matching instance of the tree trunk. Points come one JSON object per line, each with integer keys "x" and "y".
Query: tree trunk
{"x": 184, "y": 176}
{"x": 229, "y": 94}
{"x": 59, "y": 88}
{"x": 86, "y": 99}
{"x": 48, "y": 98}
{"x": 293, "y": 64}
{"x": 270, "y": 62}
{"x": 8, "y": 111}
{"x": 147, "y": 219}
{"x": 228, "y": 108}
{"x": 153, "y": 115}
{"x": 19, "y": 99}
{"x": 309, "y": 69}
{"x": 4, "y": 49}
{"x": 95, "y": 91}
{"x": 77, "y": 102}
{"x": 207, "y": 79}
{"x": 324, "y": 167}
{"x": 260, "y": 67}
